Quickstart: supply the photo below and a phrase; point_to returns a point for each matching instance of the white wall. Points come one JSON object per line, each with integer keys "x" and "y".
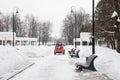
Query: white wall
{"x": 84, "y": 36}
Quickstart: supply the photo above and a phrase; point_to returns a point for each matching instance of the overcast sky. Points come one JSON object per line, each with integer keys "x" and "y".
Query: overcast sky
{"x": 52, "y": 10}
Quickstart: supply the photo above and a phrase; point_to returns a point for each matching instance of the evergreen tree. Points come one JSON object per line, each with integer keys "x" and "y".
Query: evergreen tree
{"x": 104, "y": 24}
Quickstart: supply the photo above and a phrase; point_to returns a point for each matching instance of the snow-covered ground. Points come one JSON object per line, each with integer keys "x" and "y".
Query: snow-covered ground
{"x": 107, "y": 61}
{"x": 13, "y": 59}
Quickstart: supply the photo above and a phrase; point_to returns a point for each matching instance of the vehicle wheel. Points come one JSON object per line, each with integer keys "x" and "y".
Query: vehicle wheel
{"x": 71, "y": 56}
{"x": 54, "y": 53}
{"x": 63, "y": 53}
{"x": 80, "y": 68}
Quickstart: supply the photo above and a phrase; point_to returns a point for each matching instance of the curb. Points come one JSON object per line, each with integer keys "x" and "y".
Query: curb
{"x": 16, "y": 73}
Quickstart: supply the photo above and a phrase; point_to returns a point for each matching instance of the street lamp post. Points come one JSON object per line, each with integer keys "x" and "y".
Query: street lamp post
{"x": 93, "y": 36}
{"x": 39, "y": 36}
{"x": 74, "y": 14}
{"x": 14, "y": 25}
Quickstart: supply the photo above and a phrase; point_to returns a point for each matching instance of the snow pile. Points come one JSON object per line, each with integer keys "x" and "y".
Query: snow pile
{"x": 85, "y": 51}
{"x": 107, "y": 61}
{"x": 114, "y": 14}
{"x": 11, "y": 60}
{"x": 36, "y": 51}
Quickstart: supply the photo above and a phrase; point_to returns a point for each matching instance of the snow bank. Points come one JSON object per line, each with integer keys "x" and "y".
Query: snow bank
{"x": 11, "y": 60}
{"x": 107, "y": 61}
{"x": 85, "y": 51}
{"x": 36, "y": 51}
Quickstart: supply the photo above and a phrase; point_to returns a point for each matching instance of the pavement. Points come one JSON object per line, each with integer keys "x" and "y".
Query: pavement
{"x": 91, "y": 75}
{"x": 57, "y": 67}
{"x": 88, "y": 74}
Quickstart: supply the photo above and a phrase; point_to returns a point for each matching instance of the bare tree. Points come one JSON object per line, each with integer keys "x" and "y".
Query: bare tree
{"x": 1, "y": 21}
{"x": 29, "y": 27}
{"x": 80, "y": 20}
{"x": 46, "y": 31}
{"x": 6, "y": 23}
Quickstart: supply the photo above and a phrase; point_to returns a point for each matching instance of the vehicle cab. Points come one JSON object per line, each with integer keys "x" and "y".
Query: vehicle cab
{"x": 59, "y": 48}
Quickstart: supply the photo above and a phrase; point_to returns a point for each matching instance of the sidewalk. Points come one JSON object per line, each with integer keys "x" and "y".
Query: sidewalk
{"x": 8, "y": 76}
{"x": 90, "y": 75}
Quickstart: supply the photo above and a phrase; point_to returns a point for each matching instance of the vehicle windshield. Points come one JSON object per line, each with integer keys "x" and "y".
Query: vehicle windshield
{"x": 58, "y": 44}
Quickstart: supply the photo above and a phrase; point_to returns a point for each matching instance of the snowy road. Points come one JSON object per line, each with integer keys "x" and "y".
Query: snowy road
{"x": 56, "y": 67}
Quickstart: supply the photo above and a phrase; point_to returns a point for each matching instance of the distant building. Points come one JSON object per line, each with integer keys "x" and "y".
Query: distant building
{"x": 6, "y": 38}
{"x": 84, "y": 40}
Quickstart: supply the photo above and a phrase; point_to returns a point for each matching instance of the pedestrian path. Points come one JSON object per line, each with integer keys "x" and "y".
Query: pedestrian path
{"x": 90, "y": 75}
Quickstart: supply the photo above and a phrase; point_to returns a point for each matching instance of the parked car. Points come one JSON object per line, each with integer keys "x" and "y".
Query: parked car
{"x": 59, "y": 48}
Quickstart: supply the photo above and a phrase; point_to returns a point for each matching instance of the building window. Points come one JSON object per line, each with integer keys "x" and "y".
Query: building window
{"x": 84, "y": 43}
{"x": 4, "y": 42}
{"x": 0, "y": 42}
{"x": 8, "y": 42}
{"x": 26, "y": 43}
{"x": 77, "y": 43}
{"x": 90, "y": 43}
{"x": 32, "y": 42}
{"x": 17, "y": 42}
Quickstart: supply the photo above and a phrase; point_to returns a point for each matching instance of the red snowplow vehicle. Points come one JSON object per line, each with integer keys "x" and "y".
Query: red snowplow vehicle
{"x": 59, "y": 48}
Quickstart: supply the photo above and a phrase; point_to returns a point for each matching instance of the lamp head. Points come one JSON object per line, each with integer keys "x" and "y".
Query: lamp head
{"x": 72, "y": 10}
{"x": 17, "y": 11}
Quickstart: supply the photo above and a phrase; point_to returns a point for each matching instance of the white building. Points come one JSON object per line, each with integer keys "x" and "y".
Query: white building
{"x": 6, "y": 38}
{"x": 25, "y": 41}
{"x": 85, "y": 39}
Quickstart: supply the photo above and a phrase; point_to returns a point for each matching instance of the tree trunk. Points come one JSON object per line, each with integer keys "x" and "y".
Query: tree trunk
{"x": 118, "y": 45}
{"x": 117, "y": 32}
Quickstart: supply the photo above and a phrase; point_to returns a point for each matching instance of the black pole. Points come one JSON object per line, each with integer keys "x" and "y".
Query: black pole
{"x": 13, "y": 29}
{"x": 14, "y": 24}
{"x": 39, "y": 36}
{"x": 39, "y": 40}
{"x": 75, "y": 29}
{"x": 74, "y": 14}
{"x": 93, "y": 36}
